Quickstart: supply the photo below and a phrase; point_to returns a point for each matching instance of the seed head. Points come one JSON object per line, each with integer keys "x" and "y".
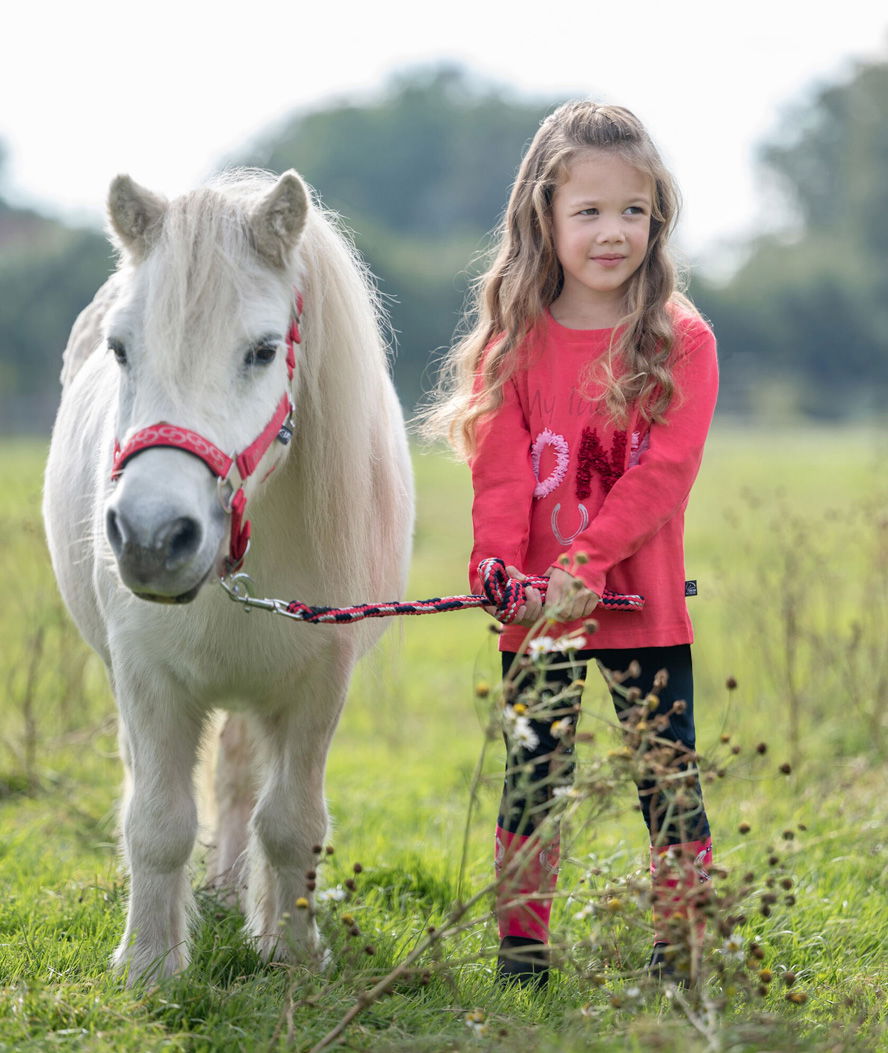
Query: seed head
{"x": 731, "y": 683}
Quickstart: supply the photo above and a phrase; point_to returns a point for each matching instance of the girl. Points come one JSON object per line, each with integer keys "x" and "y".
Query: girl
{"x": 582, "y": 398}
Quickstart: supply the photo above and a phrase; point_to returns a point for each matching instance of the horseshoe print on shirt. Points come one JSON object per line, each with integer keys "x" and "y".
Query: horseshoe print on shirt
{"x": 592, "y": 461}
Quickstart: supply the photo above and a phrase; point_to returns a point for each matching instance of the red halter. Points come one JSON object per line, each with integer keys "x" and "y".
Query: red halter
{"x": 231, "y": 471}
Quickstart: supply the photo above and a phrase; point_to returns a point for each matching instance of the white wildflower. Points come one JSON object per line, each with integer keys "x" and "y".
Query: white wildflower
{"x": 336, "y": 894}
{"x": 541, "y": 645}
{"x": 524, "y": 734}
{"x": 733, "y": 947}
{"x": 562, "y": 727}
{"x": 519, "y": 731}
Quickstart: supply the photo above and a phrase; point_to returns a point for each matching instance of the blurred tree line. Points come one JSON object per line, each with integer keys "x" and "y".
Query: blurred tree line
{"x": 421, "y": 174}
{"x": 804, "y": 322}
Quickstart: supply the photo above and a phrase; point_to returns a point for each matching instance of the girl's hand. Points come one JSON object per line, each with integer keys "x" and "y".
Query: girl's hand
{"x": 531, "y": 610}
{"x": 567, "y": 598}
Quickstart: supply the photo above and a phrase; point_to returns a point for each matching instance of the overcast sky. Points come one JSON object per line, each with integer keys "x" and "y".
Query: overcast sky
{"x": 94, "y": 88}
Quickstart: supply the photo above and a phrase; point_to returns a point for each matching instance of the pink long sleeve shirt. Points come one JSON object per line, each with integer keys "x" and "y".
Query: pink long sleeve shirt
{"x": 553, "y": 477}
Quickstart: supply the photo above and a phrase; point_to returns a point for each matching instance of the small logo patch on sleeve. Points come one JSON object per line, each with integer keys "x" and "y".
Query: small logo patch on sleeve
{"x": 690, "y": 588}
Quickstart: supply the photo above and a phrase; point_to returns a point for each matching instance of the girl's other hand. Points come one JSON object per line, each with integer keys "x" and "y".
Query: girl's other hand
{"x": 567, "y": 598}
{"x": 531, "y": 610}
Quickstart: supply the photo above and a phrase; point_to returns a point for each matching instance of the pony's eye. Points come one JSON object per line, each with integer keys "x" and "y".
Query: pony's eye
{"x": 260, "y": 355}
{"x": 118, "y": 350}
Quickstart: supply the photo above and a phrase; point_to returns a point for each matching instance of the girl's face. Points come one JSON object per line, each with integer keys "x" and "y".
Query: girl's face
{"x": 601, "y": 218}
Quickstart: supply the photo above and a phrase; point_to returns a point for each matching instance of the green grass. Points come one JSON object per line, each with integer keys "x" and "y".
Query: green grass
{"x": 788, "y": 538}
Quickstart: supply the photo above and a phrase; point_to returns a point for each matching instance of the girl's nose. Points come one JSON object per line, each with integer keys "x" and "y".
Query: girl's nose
{"x": 611, "y": 230}
{"x": 611, "y": 234}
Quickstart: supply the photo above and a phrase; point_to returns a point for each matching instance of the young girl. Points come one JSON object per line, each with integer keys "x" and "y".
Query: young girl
{"x": 582, "y": 398}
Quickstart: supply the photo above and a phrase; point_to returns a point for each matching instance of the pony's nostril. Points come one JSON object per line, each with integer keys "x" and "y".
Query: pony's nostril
{"x": 183, "y": 540}
{"x": 113, "y": 531}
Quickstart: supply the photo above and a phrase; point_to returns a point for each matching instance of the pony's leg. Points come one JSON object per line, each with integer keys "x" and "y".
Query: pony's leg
{"x": 235, "y": 791}
{"x": 290, "y": 820}
{"x": 160, "y": 742}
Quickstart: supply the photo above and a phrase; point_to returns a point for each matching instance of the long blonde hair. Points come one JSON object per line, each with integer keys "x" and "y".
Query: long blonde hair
{"x": 525, "y": 277}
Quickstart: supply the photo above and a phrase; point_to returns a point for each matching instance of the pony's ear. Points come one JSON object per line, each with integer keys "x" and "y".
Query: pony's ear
{"x": 136, "y": 216}
{"x": 278, "y": 220}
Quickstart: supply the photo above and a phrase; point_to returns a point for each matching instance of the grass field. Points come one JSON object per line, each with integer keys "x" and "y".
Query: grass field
{"x": 788, "y": 539}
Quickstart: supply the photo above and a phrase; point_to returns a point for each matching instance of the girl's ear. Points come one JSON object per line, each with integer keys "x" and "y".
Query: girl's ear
{"x": 136, "y": 216}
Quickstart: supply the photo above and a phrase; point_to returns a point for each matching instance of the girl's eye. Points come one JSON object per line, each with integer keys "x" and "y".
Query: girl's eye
{"x": 260, "y": 355}
{"x": 118, "y": 350}
{"x": 588, "y": 211}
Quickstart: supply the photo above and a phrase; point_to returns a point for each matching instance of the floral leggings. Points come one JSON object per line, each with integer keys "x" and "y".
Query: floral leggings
{"x": 540, "y": 761}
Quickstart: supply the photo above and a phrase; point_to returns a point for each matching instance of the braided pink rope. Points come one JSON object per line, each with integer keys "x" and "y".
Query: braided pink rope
{"x": 500, "y": 591}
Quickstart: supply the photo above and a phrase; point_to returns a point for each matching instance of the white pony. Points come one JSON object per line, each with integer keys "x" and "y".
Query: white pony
{"x": 192, "y": 331}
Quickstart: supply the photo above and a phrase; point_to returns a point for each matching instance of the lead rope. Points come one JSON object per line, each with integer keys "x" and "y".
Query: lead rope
{"x": 500, "y": 591}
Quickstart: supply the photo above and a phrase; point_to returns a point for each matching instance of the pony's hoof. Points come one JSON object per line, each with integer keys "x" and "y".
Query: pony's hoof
{"x": 143, "y": 967}
{"x": 312, "y": 954}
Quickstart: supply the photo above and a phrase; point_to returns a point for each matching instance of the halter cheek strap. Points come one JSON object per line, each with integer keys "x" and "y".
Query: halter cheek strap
{"x": 231, "y": 471}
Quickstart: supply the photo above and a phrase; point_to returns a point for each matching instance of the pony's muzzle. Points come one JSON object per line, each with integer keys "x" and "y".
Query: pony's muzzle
{"x": 152, "y": 555}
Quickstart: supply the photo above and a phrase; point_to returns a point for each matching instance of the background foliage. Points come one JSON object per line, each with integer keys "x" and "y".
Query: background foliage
{"x": 420, "y": 175}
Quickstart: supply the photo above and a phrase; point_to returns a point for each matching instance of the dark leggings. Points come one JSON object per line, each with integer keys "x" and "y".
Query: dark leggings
{"x": 527, "y": 792}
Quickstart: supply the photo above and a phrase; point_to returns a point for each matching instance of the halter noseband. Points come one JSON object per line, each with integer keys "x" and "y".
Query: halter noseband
{"x": 231, "y": 471}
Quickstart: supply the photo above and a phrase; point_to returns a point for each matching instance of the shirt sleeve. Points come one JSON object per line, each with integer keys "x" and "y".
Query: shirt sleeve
{"x": 651, "y": 492}
{"x": 503, "y": 482}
